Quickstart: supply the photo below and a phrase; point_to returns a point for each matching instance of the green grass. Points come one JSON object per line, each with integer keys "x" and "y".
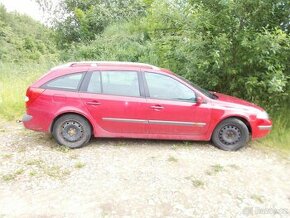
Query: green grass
{"x": 257, "y": 198}
{"x": 62, "y": 149}
{"x": 12, "y": 176}
{"x": 215, "y": 169}
{"x": 79, "y": 165}
{"x": 34, "y": 162}
{"x": 14, "y": 81}
{"x": 56, "y": 172}
{"x": 197, "y": 183}
{"x": 279, "y": 138}
{"x": 32, "y": 173}
{"x": 172, "y": 159}
{"x": 6, "y": 156}
{"x": 39, "y": 167}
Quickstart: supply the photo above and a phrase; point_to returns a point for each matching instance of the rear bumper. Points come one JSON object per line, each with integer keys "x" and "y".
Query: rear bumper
{"x": 34, "y": 123}
{"x": 26, "y": 118}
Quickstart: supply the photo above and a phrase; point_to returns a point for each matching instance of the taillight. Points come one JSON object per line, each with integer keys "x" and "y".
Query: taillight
{"x": 32, "y": 94}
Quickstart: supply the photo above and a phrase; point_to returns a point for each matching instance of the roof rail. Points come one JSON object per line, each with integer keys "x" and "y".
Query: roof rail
{"x": 62, "y": 65}
{"x": 96, "y": 63}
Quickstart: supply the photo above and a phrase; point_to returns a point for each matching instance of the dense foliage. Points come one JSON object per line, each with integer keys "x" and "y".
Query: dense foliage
{"x": 23, "y": 39}
{"x": 237, "y": 47}
{"x": 81, "y": 21}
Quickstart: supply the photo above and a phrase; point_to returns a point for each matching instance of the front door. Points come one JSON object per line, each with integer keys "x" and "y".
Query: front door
{"x": 172, "y": 107}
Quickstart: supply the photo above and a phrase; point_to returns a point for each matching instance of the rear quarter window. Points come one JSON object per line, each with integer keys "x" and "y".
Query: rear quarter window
{"x": 67, "y": 82}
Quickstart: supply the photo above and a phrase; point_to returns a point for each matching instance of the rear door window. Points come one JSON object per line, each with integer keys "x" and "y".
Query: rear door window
{"x": 94, "y": 85}
{"x": 123, "y": 83}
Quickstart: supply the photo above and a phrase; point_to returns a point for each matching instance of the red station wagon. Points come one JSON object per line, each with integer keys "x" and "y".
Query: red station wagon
{"x": 133, "y": 100}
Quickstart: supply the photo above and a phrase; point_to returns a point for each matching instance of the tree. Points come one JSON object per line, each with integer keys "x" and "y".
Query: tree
{"x": 22, "y": 38}
{"x": 236, "y": 47}
{"x": 82, "y": 21}
{"x": 232, "y": 46}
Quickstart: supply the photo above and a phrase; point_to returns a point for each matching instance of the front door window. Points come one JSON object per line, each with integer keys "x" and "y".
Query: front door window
{"x": 166, "y": 88}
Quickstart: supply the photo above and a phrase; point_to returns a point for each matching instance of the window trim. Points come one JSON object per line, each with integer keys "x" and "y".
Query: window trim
{"x": 147, "y": 93}
{"x": 83, "y": 73}
{"x": 85, "y": 82}
{"x": 85, "y": 85}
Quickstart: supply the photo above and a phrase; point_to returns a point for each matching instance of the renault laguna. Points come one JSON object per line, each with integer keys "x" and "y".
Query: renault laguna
{"x": 79, "y": 100}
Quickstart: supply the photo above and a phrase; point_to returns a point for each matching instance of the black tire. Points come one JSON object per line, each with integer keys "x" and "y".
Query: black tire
{"x": 231, "y": 135}
{"x": 72, "y": 131}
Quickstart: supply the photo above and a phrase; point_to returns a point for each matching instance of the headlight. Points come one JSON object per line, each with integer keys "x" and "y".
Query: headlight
{"x": 263, "y": 115}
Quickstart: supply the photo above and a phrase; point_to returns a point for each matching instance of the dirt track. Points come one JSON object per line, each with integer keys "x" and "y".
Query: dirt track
{"x": 137, "y": 178}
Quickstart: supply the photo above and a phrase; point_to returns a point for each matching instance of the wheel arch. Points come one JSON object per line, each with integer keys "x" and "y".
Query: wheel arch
{"x": 67, "y": 113}
{"x": 243, "y": 119}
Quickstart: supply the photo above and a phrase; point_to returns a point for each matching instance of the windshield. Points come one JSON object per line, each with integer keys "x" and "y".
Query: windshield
{"x": 203, "y": 91}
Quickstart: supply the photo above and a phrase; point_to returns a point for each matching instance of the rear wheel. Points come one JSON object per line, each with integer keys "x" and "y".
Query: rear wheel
{"x": 231, "y": 135}
{"x": 72, "y": 130}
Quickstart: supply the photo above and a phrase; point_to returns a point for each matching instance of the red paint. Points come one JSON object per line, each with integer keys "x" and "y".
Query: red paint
{"x": 45, "y": 105}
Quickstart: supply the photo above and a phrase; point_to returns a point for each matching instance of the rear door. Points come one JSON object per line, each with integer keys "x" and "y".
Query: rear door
{"x": 172, "y": 107}
{"x": 114, "y": 99}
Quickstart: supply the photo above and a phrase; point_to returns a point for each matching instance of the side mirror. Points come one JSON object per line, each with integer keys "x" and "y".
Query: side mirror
{"x": 199, "y": 100}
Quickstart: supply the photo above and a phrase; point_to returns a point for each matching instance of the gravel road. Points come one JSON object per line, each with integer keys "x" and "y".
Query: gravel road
{"x": 138, "y": 178}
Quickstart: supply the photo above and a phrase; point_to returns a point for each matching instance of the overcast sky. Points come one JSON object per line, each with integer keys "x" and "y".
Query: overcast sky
{"x": 28, "y": 7}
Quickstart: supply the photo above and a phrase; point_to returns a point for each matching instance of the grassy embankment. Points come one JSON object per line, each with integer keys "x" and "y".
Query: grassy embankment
{"x": 14, "y": 80}
{"x": 280, "y": 135}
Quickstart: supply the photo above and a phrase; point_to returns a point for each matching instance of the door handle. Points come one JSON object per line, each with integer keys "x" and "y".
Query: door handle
{"x": 93, "y": 103}
{"x": 157, "y": 107}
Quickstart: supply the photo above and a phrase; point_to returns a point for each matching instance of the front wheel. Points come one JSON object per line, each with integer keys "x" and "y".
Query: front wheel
{"x": 231, "y": 135}
{"x": 72, "y": 130}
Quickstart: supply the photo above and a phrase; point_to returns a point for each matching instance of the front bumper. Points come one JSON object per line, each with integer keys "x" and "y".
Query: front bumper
{"x": 265, "y": 127}
{"x": 261, "y": 128}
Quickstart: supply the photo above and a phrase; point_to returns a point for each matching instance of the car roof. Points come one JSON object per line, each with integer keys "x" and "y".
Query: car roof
{"x": 93, "y": 64}
{"x": 84, "y": 66}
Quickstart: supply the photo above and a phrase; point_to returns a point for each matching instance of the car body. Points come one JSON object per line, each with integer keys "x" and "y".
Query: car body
{"x": 135, "y": 100}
